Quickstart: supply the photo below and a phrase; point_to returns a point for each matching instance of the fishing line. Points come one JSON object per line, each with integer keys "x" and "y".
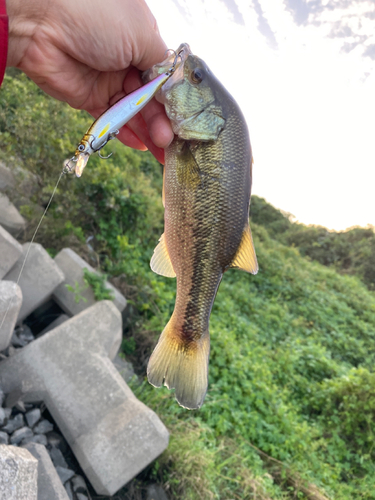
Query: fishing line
{"x": 63, "y": 172}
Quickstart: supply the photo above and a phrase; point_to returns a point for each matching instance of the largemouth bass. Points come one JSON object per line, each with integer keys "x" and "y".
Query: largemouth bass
{"x": 206, "y": 194}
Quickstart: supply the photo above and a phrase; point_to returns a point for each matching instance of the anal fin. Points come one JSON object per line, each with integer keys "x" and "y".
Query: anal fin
{"x": 245, "y": 258}
{"x": 161, "y": 261}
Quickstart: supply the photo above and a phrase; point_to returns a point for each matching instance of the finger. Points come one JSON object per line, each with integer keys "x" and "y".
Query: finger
{"x": 128, "y": 137}
{"x": 148, "y": 46}
{"x": 139, "y": 127}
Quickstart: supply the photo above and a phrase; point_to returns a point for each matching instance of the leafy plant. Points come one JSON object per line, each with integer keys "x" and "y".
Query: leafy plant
{"x": 77, "y": 290}
{"x": 97, "y": 282}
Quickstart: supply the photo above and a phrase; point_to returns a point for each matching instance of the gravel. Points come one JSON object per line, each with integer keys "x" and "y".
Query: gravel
{"x": 43, "y": 427}
{"x": 21, "y": 434}
{"x": 33, "y": 416}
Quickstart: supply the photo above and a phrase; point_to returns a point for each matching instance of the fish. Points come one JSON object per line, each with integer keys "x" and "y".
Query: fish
{"x": 206, "y": 194}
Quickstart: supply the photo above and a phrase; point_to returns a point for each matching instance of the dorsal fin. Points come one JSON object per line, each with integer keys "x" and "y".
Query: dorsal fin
{"x": 160, "y": 261}
{"x": 245, "y": 258}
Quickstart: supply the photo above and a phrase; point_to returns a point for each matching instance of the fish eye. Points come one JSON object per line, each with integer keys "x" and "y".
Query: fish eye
{"x": 197, "y": 75}
{"x": 81, "y": 147}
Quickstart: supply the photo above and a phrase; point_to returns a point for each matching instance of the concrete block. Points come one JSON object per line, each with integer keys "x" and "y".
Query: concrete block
{"x": 10, "y": 218}
{"x": 57, "y": 322}
{"x": 72, "y": 266}
{"x": 49, "y": 484}
{"x": 125, "y": 368}
{"x": 112, "y": 434}
{"x": 18, "y": 474}
{"x": 10, "y": 305}
{"x": 10, "y": 251}
{"x": 7, "y": 179}
{"x": 20, "y": 178}
{"x": 39, "y": 278}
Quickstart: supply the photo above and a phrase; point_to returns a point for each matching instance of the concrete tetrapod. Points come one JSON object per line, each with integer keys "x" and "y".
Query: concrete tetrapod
{"x": 112, "y": 434}
{"x": 18, "y": 474}
{"x": 10, "y": 251}
{"x": 40, "y": 276}
{"x": 10, "y": 305}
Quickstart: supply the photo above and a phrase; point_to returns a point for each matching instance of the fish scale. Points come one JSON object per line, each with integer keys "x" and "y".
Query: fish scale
{"x": 207, "y": 183}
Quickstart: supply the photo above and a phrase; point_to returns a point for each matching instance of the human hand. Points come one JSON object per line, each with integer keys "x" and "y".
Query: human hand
{"x": 90, "y": 54}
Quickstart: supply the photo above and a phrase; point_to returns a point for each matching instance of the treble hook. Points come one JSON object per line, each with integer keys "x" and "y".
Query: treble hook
{"x": 110, "y": 137}
{"x": 104, "y": 157}
{"x": 172, "y": 69}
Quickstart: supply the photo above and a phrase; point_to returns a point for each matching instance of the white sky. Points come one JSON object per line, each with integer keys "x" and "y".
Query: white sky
{"x": 307, "y": 92}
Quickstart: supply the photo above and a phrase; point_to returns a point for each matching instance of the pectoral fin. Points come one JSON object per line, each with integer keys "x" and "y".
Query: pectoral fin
{"x": 245, "y": 258}
{"x": 160, "y": 261}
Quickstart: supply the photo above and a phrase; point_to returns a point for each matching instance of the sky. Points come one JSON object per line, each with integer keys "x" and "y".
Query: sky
{"x": 303, "y": 73}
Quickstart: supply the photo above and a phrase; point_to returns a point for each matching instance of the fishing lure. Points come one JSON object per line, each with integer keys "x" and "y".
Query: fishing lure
{"x": 107, "y": 126}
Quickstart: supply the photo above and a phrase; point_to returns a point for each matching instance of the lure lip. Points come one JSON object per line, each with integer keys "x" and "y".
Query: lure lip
{"x": 77, "y": 163}
{"x": 81, "y": 163}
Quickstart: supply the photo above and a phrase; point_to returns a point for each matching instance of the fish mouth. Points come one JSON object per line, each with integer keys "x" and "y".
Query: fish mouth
{"x": 183, "y": 52}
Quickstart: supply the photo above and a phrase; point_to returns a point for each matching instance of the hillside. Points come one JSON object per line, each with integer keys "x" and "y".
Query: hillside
{"x": 291, "y": 404}
{"x": 350, "y": 252}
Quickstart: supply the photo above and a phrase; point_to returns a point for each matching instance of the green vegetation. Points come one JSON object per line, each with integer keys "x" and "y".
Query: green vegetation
{"x": 97, "y": 282}
{"x": 290, "y": 411}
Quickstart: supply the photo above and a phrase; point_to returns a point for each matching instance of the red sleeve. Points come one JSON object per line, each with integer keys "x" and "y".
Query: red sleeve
{"x": 3, "y": 39}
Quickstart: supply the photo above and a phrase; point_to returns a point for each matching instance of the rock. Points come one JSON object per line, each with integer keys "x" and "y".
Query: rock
{"x": 81, "y": 496}
{"x": 7, "y": 179}
{"x": 155, "y": 492}
{"x": 49, "y": 483}
{"x": 18, "y": 474}
{"x": 4, "y": 438}
{"x": 14, "y": 423}
{"x": 10, "y": 218}
{"x": 25, "y": 334}
{"x": 57, "y": 440}
{"x": 64, "y": 474}
{"x": 10, "y": 305}
{"x": 39, "y": 278}
{"x": 2, "y": 417}
{"x": 57, "y": 322}
{"x": 112, "y": 434}
{"x": 124, "y": 368}
{"x": 39, "y": 439}
{"x": 10, "y": 252}
{"x": 2, "y": 396}
{"x": 20, "y": 434}
{"x": 20, "y": 405}
{"x": 16, "y": 341}
{"x": 57, "y": 458}
{"x": 69, "y": 490}
{"x": 43, "y": 427}
{"x": 33, "y": 416}
{"x": 72, "y": 266}
{"x": 79, "y": 485}
{"x": 22, "y": 336}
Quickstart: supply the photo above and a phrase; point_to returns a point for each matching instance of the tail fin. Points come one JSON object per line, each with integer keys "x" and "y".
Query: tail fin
{"x": 181, "y": 366}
